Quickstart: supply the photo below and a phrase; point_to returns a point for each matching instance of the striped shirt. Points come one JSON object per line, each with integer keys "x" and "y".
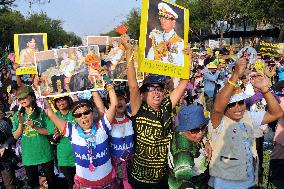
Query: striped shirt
{"x": 101, "y": 154}
{"x": 121, "y": 136}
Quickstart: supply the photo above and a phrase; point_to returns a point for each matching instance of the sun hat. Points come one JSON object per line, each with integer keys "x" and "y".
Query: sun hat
{"x": 211, "y": 65}
{"x": 153, "y": 79}
{"x": 24, "y": 91}
{"x": 191, "y": 117}
{"x": 238, "y": 95}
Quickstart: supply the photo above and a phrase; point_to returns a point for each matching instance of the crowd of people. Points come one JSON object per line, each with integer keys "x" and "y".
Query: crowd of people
{"x": 206, "y": 131}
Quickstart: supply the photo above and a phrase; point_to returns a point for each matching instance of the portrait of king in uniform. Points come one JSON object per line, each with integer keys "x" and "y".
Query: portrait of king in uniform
{"x": 166, "y": 45}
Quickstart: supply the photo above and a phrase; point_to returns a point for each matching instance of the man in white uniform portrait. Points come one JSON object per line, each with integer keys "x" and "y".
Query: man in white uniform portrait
{"x": 167, "y": 46}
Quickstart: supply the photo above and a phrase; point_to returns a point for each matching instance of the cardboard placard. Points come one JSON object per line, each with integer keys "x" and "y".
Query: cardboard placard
{"x": 69, "y": 70}
{"x": 25, "y": 46}
{"x": 163, "y": 37}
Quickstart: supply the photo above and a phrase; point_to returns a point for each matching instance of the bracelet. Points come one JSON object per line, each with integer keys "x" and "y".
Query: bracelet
{"x": 268, "y": 90}
{"x": 232, "y": 83}
{"x": 109, "y": 87}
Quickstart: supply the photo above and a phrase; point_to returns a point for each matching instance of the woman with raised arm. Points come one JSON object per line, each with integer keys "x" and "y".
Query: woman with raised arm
{"x": 152, "y": 124}
{"x": 90, "y": 140}
{"x": 234, "y": 157}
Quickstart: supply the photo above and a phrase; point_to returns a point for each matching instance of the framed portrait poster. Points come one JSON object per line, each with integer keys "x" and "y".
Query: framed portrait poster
{"x": 163, "y": 37}
{"x": 25, "y": 46}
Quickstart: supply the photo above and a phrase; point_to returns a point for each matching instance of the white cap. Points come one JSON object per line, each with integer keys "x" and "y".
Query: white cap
{"x": 238, "y": 95}
{"x": 166, "y": 11}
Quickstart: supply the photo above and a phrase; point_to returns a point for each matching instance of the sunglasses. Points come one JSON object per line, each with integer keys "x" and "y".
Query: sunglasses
{"x": 81, "y": 114}
{"x": 240, "y": 103}
{"x": 197, "y": 130}
{"x": 154, "y": 88}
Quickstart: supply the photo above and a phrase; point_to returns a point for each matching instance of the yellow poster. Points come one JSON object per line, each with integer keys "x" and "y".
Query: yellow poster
{"x": 163, "y": 37}
{"x": 25, "y": 46}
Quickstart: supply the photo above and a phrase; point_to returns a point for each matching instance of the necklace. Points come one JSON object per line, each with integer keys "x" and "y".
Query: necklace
{"x": 90, "y": 139}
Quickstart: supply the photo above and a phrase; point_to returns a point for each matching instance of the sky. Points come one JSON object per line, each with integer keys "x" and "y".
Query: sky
{"x": 84, "y": 17}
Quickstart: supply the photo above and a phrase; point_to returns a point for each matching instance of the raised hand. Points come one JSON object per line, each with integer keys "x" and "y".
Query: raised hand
{"x": 259, "y": 81}
{"x": 240, "y": 67}
{"x": 125, "y": 41}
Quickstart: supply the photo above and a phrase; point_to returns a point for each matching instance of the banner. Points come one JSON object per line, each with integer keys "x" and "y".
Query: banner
{"x": 112, "y": 54}
{"x": 271, "y": 49}
{"x": 25, "y": 46}
{"x": 163, "y": 37}
{"x": 69, "y": 70}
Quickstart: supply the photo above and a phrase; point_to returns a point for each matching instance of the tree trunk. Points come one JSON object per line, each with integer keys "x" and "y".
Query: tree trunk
{"x": 221, "y": 34}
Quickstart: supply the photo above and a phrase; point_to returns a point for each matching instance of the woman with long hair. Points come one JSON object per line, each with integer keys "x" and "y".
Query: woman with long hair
{"x": 32, "y": 125}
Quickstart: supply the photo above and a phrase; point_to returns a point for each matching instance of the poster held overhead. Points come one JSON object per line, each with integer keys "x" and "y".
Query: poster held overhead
{"x": 112, "y": 55}
{"x": 69, "y": 70}
{"x": 25, "y": 46}
{"x": 163, "y": 37}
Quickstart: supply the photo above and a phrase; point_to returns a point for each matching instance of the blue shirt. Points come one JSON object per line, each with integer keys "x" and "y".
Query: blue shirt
{"x": 210, "y": 81}
{"x": 281, "y": 73}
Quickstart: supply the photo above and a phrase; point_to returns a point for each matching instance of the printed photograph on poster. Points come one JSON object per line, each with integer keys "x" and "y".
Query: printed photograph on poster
{"x": 68, "y": 70}
{"x": 115, "y": 55}
{"x": 97, "y": 40}
{"x": 112, "y": 56}
{"x": 25, "y": 46}
{"x": 163, "y": 37}
{"x": 111, "y": 53}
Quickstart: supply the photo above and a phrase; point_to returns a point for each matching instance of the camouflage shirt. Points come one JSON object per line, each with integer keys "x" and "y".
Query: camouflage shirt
{"x": 188, "y": 164}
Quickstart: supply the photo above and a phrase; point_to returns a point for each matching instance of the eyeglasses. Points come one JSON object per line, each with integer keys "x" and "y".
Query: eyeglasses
{"x": 81, "y": 114}
{"x": 154, "y": 88}
{"x": 197, "y": 130}
{"x": 240, "y": 103}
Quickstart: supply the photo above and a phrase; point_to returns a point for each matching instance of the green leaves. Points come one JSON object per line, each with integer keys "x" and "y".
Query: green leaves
{"x": 12, "y": 22}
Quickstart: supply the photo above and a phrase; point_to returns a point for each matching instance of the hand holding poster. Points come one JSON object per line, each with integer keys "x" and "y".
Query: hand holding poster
{"x": 25, "y": 46}
{"x": 163, "y": 37}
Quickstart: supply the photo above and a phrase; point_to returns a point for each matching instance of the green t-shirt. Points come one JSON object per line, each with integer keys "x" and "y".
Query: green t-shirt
{"x": 36, "y": 148}
{"x": 65, "y": 153}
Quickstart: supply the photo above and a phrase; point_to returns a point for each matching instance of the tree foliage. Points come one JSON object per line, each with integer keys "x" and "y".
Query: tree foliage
{"x": 13, "y": 22}
{"x": 200, "y": 12}
{"x": 133, "y": 20}
{"x": 6, "y": 3}
{"x": 221, "y": 13}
